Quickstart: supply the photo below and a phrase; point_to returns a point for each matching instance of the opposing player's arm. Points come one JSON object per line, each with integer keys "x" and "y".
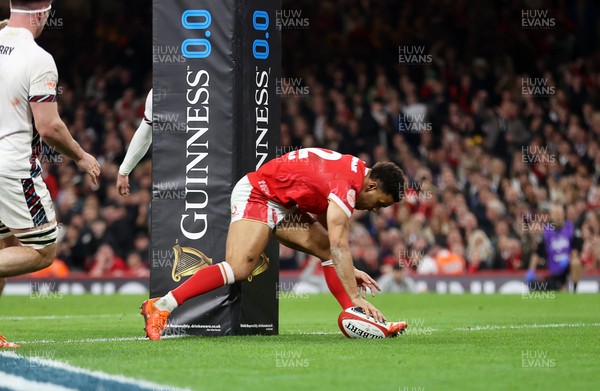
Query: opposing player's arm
{"x": 55, "y": 133}
{"x": 138, "y": 147}
{"x": 338, "y": 227}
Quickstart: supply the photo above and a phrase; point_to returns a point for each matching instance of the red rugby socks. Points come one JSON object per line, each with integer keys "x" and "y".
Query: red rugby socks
{"x": 335, "y": 285}
{"x": 204, "y": 280}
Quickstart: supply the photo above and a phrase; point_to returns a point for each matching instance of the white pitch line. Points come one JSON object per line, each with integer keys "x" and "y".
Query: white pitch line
{"x": 418, "y": 329}
{"x": 56, "y": 317}
{"x": 94, "y": 340}
{"x": 527, "y": 326}
{"x": 409, "y": 330}
{"x": 86, "y": 340}
{"x": 18, "y": 383}
{"x": 97, "y": 374}
{"x": 317, "y": 333}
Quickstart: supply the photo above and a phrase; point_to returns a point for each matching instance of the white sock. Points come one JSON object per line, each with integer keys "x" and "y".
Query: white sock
{"x": 166, "y": 303}
{"x": 329, "y": 262}
{"x": 226, "y": 268}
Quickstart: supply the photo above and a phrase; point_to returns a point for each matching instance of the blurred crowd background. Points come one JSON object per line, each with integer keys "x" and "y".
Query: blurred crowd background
{"x": 485, "y": 159}
{"x": 486, "y": 153}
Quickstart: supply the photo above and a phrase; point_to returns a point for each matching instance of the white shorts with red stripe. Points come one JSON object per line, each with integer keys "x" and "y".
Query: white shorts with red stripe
{"x": 248, "y": 203}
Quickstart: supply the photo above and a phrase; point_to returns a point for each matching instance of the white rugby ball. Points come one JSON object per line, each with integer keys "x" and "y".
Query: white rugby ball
{"x": 355, "y": 324}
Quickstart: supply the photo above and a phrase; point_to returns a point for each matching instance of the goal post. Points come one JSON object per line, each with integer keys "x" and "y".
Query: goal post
{"x": 216, "y": 117}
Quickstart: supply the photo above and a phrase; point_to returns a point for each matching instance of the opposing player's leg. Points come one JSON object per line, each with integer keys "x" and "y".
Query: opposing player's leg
{"x": 303, "y": 233}
{"x": 17, "y": 259}
{"x": 7, "y": 242}
{"x": 28, "y": 229}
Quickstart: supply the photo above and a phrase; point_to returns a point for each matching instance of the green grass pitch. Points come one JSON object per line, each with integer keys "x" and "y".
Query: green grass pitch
{"x": 454, "y": 342}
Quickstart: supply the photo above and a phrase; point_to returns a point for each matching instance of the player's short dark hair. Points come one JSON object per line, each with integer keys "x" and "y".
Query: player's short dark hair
{"x": 28, "y": 4}
{"x": 391, "y": 179}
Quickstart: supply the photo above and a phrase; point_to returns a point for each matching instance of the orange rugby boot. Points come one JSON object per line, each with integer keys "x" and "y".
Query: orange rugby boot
{"x": 5, "y": 344}
{"x": 155, "y": 319}
{"x": 396, "y": 328}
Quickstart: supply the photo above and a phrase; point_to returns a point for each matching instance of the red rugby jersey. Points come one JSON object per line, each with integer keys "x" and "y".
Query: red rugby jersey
{"x": 309, "y": 177}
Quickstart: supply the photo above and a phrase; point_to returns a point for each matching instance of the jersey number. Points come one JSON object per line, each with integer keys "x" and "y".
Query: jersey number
{"x": 303, "y": 154}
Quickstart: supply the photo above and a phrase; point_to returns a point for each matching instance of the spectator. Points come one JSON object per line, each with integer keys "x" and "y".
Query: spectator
{"x": 135, "y": 266}
{"x": 397, "y": 281}
{"x": 450, "y": 261}
{"x": 107, "y": 264}
{"x": 480, "y": 252}
{"x": 369, "y": 261}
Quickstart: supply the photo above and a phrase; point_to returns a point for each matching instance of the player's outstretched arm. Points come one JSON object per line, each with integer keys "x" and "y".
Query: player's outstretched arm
{"x": 339, "y": 225}
{"x": 54, "y": 132}
{"x": 138, "y": 147}
{"x": 363, "y": 280}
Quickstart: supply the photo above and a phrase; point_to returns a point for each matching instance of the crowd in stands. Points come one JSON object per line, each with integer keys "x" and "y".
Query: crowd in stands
{"x": 485, "y": 152}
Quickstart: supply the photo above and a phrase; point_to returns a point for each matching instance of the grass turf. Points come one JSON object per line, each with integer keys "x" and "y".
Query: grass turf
{"x": 440, "y": 351}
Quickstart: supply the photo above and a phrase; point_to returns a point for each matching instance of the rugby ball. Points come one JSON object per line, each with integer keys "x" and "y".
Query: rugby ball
{"x": 355, "y": 324}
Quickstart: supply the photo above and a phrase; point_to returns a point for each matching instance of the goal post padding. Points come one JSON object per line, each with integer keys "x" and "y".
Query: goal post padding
{"x": 216, "y": 117}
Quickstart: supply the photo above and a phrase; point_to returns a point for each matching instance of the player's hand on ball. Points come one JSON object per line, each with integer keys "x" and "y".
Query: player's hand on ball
{"x": 368, "y": 308}
{"x": 123, "y": 185}
{"x": 90, "y": 166}
{"x": 364, "y": 281}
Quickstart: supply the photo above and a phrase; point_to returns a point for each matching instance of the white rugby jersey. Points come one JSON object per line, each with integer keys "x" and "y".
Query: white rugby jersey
{"x": 27, "y": 74}
{"x": 140, "y": 142}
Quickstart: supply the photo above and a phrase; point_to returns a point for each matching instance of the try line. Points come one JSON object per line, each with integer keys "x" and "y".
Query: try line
{"x": 408, "y": 331}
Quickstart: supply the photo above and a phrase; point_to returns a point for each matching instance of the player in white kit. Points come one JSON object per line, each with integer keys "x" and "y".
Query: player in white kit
{"x": 28, "y": 91}
{"x": 140, "y": 142}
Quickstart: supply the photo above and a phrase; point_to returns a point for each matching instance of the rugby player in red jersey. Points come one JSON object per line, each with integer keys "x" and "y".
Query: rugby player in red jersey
{"x": 315, "y": 187}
